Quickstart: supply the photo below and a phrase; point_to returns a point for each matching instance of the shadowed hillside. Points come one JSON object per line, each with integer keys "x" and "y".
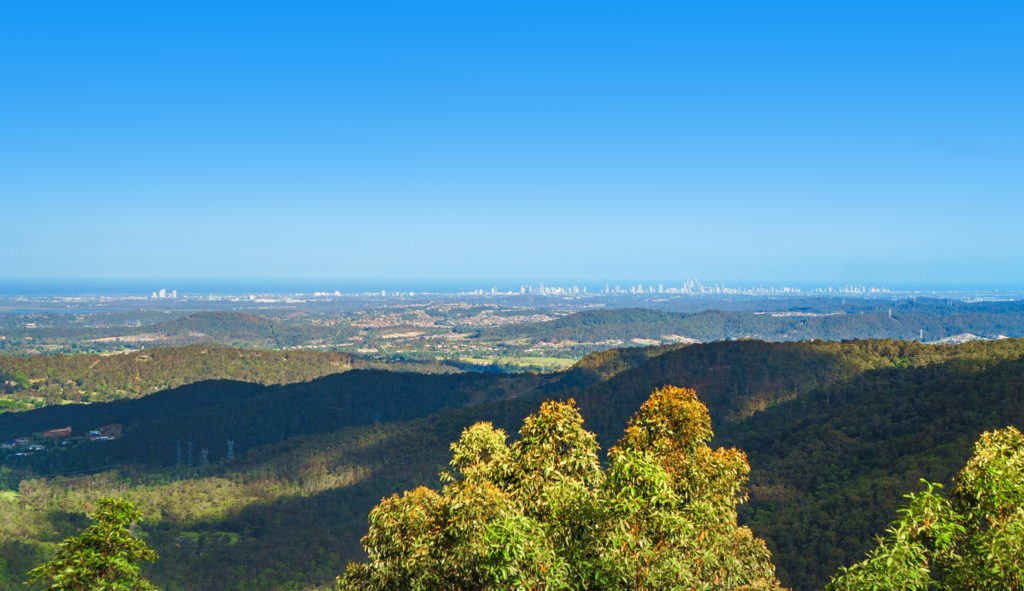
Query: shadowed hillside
{"x": 836, "y": 433}
{"x": 33, "y": 381}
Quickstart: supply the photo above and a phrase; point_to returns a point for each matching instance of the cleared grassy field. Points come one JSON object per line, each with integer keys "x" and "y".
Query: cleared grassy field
{"x": 547, "y": 363}
{"x": 14, "y": 404}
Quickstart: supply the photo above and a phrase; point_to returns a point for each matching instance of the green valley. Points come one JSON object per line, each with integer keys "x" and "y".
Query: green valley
{"x": 835, "y": 434}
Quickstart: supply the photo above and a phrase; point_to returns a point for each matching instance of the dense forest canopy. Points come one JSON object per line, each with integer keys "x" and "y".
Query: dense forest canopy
{"x": 835, "y": 433}
{"x": 35, "y": 381}
{"x": 975, "y": 540}
{"x": 543, "y": 513}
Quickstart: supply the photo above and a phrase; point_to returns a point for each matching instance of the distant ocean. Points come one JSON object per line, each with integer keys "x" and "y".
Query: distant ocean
{"x": 145, "y": 287}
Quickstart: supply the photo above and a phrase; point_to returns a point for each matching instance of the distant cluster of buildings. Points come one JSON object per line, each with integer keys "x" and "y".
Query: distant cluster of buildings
{"x": 689, "y": 287}
{"x": 382, "y": 293}
{"x": 22, "y": 443}
{"x": 542, "y": 290}
{"x": 25, "y": 446}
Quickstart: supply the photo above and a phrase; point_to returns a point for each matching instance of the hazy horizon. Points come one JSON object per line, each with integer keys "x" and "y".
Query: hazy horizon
{"x": 67, "y": 287}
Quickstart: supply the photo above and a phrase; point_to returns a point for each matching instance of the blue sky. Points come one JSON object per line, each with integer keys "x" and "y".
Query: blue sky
{"x": 862, "y": 141}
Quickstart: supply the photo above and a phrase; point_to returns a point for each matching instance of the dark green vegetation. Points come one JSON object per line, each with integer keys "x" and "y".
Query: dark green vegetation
{"x": 36, "y": 381}
{"x": 930, "y": 320}
{"x": 543, "y": 514}
{"x": 208, "y": 414}
{"x": 974, "y": 542}
{"x": 835, "y": 434}
{"x": 104, "y": 557}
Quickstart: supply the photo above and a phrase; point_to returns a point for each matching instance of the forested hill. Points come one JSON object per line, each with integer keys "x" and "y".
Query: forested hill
{"x": 829, "y": 468}
{"x": 737, "y": 379}
{"x": 836, "y": 433}
{"x": 926, "y": 321}
{"x": 33, "y": 381}
{"x": 209, "y": 413}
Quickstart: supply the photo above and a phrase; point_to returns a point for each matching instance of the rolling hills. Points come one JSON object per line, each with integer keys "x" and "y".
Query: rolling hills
{"x": 835, "y": 433}
{"x": 927, "y": 320}
{"x": 34, "y": 381}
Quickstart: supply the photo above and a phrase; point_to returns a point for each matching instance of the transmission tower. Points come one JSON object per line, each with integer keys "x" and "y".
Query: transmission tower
{"x": 189, "y": 454}
{"x": 204, "y": 452}
{"x": 177, "y": 461}
{"x": 231, "y": 449}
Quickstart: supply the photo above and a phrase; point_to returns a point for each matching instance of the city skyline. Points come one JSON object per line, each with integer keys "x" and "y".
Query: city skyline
{"x": 258, "y": 290}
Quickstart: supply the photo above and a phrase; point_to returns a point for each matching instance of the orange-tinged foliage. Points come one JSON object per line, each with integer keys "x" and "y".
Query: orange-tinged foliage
{"x": 543, "y": 513}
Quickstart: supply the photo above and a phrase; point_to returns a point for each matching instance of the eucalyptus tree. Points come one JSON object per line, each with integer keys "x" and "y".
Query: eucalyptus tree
{"x": 104, "y": 557}
{"x": 543, "y": 513}
{"x": 975, "y": 540}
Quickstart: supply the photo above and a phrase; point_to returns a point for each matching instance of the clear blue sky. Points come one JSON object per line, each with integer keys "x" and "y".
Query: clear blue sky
{"x": 861, "y": 141}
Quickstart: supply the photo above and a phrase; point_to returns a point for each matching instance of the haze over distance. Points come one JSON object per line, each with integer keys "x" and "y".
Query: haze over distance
{"x": 194, "y": 290}
{"x": 621, "y": 294}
